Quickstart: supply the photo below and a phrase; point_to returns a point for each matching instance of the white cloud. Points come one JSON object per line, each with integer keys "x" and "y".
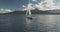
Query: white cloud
{"x": 5, "y": 10}
{"x": 29, "y": 6}
{"x": 34, "y": 0}
{"x": 23, "y": 6}
{"x": 47, "y": 3}
{"x": 43, "y": 5}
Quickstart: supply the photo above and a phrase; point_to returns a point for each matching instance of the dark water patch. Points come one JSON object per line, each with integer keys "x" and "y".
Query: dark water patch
{"x": 12, "y": 23}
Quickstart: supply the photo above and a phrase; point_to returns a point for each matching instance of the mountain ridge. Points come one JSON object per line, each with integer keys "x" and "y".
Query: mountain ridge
{"x": 36, "y": 11}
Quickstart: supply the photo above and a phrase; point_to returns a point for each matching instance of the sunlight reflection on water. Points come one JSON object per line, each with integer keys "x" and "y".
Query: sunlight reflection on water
{"x": 42, "y": 23}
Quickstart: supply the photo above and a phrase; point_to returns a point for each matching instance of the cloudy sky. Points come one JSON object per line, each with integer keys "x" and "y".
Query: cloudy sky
{"x": 40, "y": 4}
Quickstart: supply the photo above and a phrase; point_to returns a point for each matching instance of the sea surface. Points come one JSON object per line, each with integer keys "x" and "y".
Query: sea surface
{"x": 38, "y": 23}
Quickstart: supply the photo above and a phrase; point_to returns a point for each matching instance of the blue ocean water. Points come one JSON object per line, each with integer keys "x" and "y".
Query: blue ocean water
{"x": 39, "y": 23}
{"x": 43, "y": 23}
{"x": 12, "y": 23}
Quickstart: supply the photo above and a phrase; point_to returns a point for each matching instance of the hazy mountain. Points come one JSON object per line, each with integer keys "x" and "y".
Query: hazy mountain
{"x": 36, "y": 11}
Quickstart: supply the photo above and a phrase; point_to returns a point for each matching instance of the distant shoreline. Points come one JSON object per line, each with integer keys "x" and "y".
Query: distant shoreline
{"x": 32, "y": 13}
{"x": 36, "y": 11}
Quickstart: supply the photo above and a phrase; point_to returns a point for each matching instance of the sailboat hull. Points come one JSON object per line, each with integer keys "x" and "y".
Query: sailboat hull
{"x": 30, "y": 18}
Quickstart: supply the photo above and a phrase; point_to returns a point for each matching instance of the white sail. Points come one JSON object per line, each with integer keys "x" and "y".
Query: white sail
{"x": 28, "y": 12}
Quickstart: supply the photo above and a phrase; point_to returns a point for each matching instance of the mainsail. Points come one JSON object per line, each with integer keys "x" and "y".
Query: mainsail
{"x": 28, "y": 12}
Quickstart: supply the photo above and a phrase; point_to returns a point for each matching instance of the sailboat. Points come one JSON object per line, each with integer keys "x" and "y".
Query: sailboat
{"x": 28, "y": 12}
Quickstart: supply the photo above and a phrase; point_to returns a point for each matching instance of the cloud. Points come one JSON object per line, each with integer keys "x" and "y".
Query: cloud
{"x": 5, "y": 10}
{"x": 29, "y": 6}
{"x": 47, "y": 5}
{"x": 23, "y": 6}
{"x": 43, "y": 5}
{"x": 34, "y": 0}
